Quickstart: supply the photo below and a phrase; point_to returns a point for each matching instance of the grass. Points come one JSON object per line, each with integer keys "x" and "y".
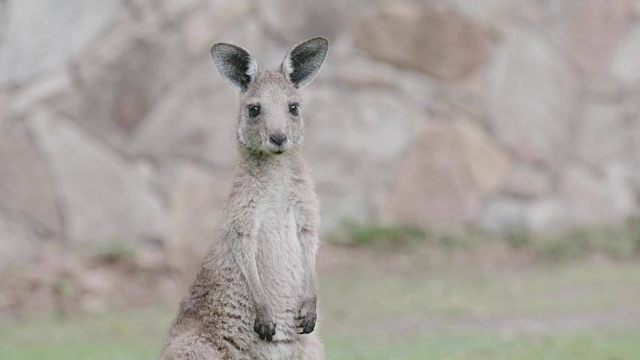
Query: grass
{"x": 549, "y": 291}
{"x": 439, "y": 314}
{"x": 616, "y": 241}
{"x": 597, "y": 345}
{"x": 380, "y": 237}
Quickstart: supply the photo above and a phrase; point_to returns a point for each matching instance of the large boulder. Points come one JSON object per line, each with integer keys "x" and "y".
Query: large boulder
{"x": 120, "y": 83}
{"x": 604, "y": 135}
{"x": 26, "y": 187}
{"x": 452, "y": 164}
{"x": 19, "y": 242}
{"x": 103, "y": 196}
{"x": 491, "y": 13}
{"x": 197, "y": 199}
{"x": 528, "y": 182}
{"x": 42, "y": 35}
{"x": 297, "y": 20}
{"x": 201, "y": 28}
{"x": 531, "y": 98}
{"x": 434, "y": 40}
{"x": 624, "y": 65}
{"x": 203, "y": 130}
{"x": 489, "y": 163}
{"x": 434, "y": 185}
{"x": 592, "y": 30}
{"x": 591, "y": 198}
{"x": 355, "y": 140}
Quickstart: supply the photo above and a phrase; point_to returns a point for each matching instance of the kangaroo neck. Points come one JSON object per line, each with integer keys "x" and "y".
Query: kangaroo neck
{"x": 264, "y": 166}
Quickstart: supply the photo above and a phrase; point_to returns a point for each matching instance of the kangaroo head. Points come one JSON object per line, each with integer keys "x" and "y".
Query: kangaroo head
{"x": 270, "y": 118}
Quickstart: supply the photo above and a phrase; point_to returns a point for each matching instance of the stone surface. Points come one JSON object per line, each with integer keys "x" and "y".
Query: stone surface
{"x": 25, "y": 185}
{"x": 531, "y": 95}
{"x": 298, "y": 20}
{"x": 115, "y": 98}
{"x": 548, "y": 214}
{"x": 197, "y": 197}
{"x": 434, "y": 185}
{"x": 593, "y": 146}
{"x": 19, "y": 243}
{"x": 593, "y": 29}
{"x": 624, "y": 65}
{"x": 634, "y": 150}
{"x": 351, "y": 68}
{"x": 201, "y": 28}
{"x": 354, "y": 138}
{"x": 430, "y": 39}
{"x": 595, "y": 199}
{"x": 42, "y": 90}
{"x": 491, "y": 13}
{"x": 203, "y": 130}
{"x": 503, "y": 214}
{"x": 114, "y": 124}
{"x": 62, "y": 29}
{"x": 103, "y": 199}
{"x": 528, "y": 182}
{"x": 177, "y": 7}
{"x": 489, "y": 163}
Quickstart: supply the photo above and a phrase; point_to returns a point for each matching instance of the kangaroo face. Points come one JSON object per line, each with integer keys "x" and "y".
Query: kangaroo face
{"x": 270, "y": 115}
{"x": 270, "y": 118}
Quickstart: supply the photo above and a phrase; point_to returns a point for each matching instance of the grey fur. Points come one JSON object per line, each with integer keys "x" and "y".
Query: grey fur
{"x": 255, "y": 296}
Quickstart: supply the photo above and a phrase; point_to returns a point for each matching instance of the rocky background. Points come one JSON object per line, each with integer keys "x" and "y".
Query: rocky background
{"x": 115, "y": 127}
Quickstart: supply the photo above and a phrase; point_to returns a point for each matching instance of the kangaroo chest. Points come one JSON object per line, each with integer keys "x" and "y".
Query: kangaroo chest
{"x": 279, "y": 255}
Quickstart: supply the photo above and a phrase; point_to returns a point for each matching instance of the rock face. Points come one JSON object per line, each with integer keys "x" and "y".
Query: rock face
{"x": 531, "y": 96}
{"x": 626, "y": 58}
{"x": 363, "y": 132}
{"x": 31, "y": 47}
{"x": 528, "y": 182}
{"x": 488, "y": 162}
{"x": 616, "y": 147}
{"x": 204, "y": 130}
{"x": 25, "y": 184}
{"x": 104, "y": 199}
{"x": 115, "y": 126}
{"x": 197, "y": 198}
{"x": 19, "y": 243}
{"x": 434, "y": 185}
{"x": 436, "y": 41}
{"x": 450, "y": 167}
{"x": 593, "y": 29}
{"x": 590, "y": 199}
{"x": 297, "y": 20}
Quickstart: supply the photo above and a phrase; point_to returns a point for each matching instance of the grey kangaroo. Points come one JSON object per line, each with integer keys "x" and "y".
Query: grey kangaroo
{"x": 255, "y": 296}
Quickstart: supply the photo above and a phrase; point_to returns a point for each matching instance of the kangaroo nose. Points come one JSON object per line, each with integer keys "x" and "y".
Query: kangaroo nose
{"x": 278, "y": 139}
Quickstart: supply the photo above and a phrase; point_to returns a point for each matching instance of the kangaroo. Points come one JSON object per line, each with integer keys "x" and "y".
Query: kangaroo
{"x": 255, "y": 295}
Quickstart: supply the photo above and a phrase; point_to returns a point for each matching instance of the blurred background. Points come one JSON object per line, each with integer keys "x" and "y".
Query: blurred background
{"x": 478, "y": 164}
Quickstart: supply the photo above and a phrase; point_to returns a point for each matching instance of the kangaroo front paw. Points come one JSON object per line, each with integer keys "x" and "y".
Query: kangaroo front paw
{"x": 265, "y": 327}
{"x": 306, "y": 320}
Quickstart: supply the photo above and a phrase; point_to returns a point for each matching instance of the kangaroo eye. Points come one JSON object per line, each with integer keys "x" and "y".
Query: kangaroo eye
{"x": 293, "y": 109}
{"x": 254, "y": 110}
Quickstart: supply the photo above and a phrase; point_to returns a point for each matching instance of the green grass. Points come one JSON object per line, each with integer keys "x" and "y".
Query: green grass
{"x": 541, "y": 291}
{"x": 620, "y": 241}
{"x": 117, "y": 335}
{"x": 422, "y": 315}
{"x": 387, "y": 237}
{"x": 596, "y": 345}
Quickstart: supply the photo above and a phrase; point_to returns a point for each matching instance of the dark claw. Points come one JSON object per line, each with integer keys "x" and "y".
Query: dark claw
{"x": 308, "y": 323}
{"x": 265, "y": 329}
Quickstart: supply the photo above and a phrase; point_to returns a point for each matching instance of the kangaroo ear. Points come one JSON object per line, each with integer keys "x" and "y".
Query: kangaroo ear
{"x": 304, "y": 60}
{"x": 236, "y": 66}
